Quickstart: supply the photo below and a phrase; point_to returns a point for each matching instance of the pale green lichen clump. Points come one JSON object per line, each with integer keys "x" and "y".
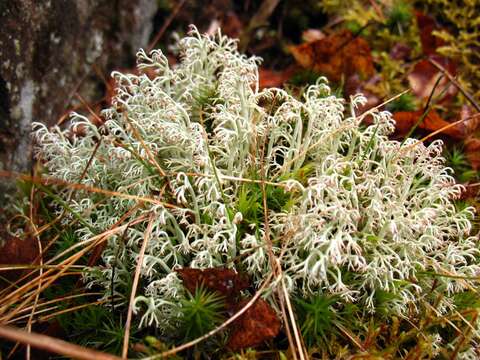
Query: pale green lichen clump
{"x": 350, "y": 212}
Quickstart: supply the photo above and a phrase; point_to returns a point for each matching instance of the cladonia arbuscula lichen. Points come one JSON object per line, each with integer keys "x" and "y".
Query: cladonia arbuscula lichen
{"x": 350, "y": 212}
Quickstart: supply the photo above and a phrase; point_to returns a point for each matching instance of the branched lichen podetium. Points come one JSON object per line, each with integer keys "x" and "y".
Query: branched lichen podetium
{"x": 352, "y": 214}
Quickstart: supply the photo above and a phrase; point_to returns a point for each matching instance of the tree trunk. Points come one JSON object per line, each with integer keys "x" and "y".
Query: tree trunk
{"x": 47, "y": 49}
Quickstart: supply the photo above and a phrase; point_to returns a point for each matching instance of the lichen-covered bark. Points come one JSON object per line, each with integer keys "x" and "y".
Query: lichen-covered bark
{"x": 47, "y": 49}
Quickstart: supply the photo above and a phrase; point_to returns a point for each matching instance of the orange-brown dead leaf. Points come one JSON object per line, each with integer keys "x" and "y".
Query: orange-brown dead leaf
{"x": 226, "y": 282}
{"x": 16, "y": 251}
{"x": 336, "y": 55}
{"x": 271, "y": 78}
{"x": 258, "y": 324}
{"x": 405, "y": 120}
{"x": 470, "y": 192}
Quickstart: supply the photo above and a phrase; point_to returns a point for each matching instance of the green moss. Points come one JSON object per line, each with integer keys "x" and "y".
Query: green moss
{"x": 461, "y": 33}
{"x": 399, "y": 15}
{"x": 201, "y": 312}
{"x": 406, "y": 102}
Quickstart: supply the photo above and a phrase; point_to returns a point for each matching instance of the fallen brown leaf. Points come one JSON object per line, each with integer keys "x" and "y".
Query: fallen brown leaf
{"x": 271, "y": 78}
{"x": 405, "y": 120}
{"x": 16, "y": 251}
{"x": 336, "y": 55}
{"x": 258, "y": 324}
{"x": 470, "y": 192}
{"x": 426, "y": 26}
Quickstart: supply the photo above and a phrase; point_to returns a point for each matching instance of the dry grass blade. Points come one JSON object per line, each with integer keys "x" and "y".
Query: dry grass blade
{"x": 236, "y": 178}
{"x": 443, "y": 317}
{"x": 36, "y": 313}
{"x": 40, "y": 257}
{"x": 136, "y": 133}
{"x": 448, "y": 127}
{"x": 54, "y": 345}
{"x": 13, "y": 297}
{"x": 75, "y": 308}
{"x": 375, "y": 108}
{"x": 302, "y": 352}
{"x": 36, "y": 267}
{"x": 90, "y": 110}
{"x": 286, "y": 325}
{"x": 53, "y": 301}
{"x": 9, "y": 299}
{"x": 136, "y": 278}
{"x": 7, "y": 293}
{"x": 49, "y": 181}
{"x": 22, "y": 292}
{"x": 275, "y": 264}
{"x": 19, "y": 295}
{"x": 97, "y": 252}
{"x": 350, "y": 336}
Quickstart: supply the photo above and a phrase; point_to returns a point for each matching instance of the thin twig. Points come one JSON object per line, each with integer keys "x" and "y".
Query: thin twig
{"x": 22, "y": 317}
{"x": 275, "y": 262}
{"x": 23, "y": 291}
{"x": 90, "y": 160}
{"x": 455, "y": 82}
{"x": 97, "y": 252}
{"x": 443, "y": 128}
{"x": 120, "y": 245}
{"x": 287, "y": 327}
{"x": 70, "y": 97}
{"x": 136, "y": 133}
{"x": 59, "y": 299}
{"x": 34, "y": 267}
{"x": 9, "y": 316}
{"x": 68, "y": 310}
{"x": 426, "y": 109}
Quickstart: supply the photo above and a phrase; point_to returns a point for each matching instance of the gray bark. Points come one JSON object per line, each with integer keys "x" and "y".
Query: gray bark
{"x": 47, "y": 48}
